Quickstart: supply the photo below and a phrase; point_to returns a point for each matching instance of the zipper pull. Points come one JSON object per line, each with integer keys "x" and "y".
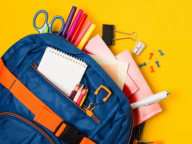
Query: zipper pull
{"x": 90, "y": 112}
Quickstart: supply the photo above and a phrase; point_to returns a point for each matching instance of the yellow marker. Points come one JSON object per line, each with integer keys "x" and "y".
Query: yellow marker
{"x": 82, "y": 101}
{"x": 86, "y": 36}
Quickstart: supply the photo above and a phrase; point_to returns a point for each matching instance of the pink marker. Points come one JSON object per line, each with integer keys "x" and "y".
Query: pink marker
{"x": 81, "y": 96}
{"x": 74, "y": 24}
{"x": 78, "y": 40}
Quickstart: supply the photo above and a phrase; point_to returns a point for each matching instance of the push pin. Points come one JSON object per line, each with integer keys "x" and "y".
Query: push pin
{"x": 144, "y": 64}
{"x": 152, "y": 70}
{"x": 157, "y": 62}
{"x": 151, "y": 54}
{"x": 108, "y": 34}
{"x": 162, "y": 54}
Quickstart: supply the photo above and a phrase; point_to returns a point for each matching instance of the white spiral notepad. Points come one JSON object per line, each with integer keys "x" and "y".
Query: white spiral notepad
{"x": 63, "y": 70}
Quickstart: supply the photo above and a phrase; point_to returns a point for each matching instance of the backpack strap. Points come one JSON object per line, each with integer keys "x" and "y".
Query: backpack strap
{"x": 43, "y": 114}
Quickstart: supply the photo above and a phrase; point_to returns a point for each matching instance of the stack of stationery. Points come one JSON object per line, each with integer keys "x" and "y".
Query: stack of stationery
{"x": 135, "y": 87}
{"x": 97, "y": 46}
{"x": 73, "y": 34}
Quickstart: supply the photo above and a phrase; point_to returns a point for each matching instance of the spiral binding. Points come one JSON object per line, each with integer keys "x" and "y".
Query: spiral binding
{"x": 67, "y": 56}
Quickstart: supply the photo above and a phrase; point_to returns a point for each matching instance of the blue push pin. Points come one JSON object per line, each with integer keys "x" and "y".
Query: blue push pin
{"x": 157, "y": 62}
{"x": 144, "y": 64}
{"x": 162, "y": 54}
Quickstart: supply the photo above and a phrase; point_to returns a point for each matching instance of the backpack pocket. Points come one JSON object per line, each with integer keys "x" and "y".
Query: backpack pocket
{"x": 15, "y": 128}
{"x": 57, "y": 101}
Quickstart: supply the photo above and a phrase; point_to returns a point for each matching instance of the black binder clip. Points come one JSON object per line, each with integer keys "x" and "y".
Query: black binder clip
{"x": 108, "y": 34}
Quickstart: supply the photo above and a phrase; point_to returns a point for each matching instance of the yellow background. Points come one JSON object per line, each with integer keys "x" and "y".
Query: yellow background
{"x": 165, "y": 25}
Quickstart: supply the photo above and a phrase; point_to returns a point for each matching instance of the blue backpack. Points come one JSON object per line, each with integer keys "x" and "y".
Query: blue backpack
{"x": 33, "y": 110}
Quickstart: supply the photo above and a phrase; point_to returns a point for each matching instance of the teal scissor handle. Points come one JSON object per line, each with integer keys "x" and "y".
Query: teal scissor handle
{"x": 47, "y": 28}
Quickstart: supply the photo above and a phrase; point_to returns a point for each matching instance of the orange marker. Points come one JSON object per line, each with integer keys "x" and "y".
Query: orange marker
{"x": 78, "y": 94}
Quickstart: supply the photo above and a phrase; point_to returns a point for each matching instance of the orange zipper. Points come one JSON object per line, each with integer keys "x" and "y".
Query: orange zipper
{"x": 34, "y": 66}
{"x": 30, "y": 123}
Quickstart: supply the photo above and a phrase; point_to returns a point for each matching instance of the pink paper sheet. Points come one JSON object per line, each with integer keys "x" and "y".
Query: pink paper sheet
{"x": 143, "y": 113}
{"x": 112, "y": 71}
{"x": 97, "y": 46}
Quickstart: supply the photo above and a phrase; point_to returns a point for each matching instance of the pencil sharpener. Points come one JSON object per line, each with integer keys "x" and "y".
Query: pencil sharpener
{"x": 138, "y": 48}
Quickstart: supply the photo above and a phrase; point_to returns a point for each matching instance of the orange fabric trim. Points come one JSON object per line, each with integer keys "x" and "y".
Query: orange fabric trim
{"x": 45, "y": 117}
{"x": 60, "y": 130}
{"x": 86, "y": 141}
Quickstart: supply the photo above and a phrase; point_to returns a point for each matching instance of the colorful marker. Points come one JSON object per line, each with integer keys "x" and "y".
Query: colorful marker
{"x": 78, "y": 28}
{"x": 157, "y": 62}
{"x": 151, "y": 54}
{"x": 84, "y": 30}
{"x": 86, "y": 36}
{"x": 74, "y": 24}
{"x": 82, "y": 101}
{"x": 69, "y": 19}
{"x": 75, "y": 92}
{"x": 143, "y": 64}
{"x": 78, "y": 94}
{"x": 152, "y": 70}
{"x": 81, "y": 96}
{"x": 162, "y": 54}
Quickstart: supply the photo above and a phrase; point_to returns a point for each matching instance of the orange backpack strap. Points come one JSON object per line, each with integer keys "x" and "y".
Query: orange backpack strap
{"x": 43, "y": 114}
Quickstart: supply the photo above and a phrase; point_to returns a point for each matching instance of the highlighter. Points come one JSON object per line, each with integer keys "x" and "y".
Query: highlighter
{"x": 78, "y": 94}
{"x": 82, "y": 101}
{"x": 84, "y": 30}
{"x": 69, "y": 19}
{"x": 86, "y": 36}
{"x": 74, "y": 24}
{"x": 78, "y": 28}
{"x": 81, "y": 96}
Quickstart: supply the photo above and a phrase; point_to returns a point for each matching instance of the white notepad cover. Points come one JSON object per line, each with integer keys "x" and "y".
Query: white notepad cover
{"x": 62, "y": 70}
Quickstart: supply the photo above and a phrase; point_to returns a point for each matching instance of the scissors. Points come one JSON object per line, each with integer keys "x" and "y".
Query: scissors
{"x": 47, "y": 28}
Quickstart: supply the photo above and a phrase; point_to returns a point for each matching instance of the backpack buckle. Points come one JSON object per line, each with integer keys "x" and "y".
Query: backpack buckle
{"x": 70, "y": 134}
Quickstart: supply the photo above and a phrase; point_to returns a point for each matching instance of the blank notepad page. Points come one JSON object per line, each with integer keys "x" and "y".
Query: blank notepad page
{"x": 62, "y": 70}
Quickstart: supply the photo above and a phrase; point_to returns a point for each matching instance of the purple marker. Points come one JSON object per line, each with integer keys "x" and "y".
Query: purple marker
{"x": 74, "y": 24}
{"x": 69, "y": 19}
